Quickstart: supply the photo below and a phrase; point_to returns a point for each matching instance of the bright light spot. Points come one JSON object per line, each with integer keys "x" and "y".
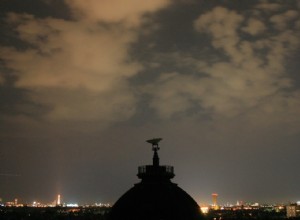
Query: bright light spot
{"x": 72, "y": 205}
{"x": 204, "y": 209}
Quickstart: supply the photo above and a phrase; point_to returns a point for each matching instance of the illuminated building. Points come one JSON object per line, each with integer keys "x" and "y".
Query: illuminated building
{"x": 204, "y": 209}
{"x": 58, "y": 202}
{"x": 155, "y": 197}
{"x": 214, "y": 200}
{"x": 293, "y": 210}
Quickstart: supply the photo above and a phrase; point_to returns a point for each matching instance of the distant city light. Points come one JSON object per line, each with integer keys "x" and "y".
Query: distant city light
{"x": 204, "y": 209}
{"x": 102, "y": 204}
{"x": 72, "y": 205}
{"x": 58, "y": 200}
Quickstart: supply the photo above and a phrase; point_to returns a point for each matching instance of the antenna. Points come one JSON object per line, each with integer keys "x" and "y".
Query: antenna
{"x": 155, "y": 148}
{"x": 154, "y": 143}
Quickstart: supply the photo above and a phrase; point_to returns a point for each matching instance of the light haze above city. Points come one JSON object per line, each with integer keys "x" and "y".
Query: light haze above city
{"x": 83, "y": 84}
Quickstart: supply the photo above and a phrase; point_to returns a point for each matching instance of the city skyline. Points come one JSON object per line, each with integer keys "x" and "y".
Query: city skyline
{"x": 83, "y": 84}
{"x": 213, "y": 204}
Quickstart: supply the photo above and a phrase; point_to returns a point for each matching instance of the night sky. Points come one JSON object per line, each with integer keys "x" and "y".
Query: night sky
{"x": 83, "y": 84}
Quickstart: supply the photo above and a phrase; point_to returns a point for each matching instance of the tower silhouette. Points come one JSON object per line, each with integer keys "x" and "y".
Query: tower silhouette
{"x": 155, "y": 197}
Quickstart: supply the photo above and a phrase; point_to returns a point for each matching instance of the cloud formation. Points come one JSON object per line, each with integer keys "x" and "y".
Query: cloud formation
{"x": 246, "y": 76}
{"x": 254, "y": 27}
{"x": 80, "y": 68}
{"x": 127, "y": 12}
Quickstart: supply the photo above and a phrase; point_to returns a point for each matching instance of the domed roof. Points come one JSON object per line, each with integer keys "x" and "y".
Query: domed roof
{"x": 155, "y": 197}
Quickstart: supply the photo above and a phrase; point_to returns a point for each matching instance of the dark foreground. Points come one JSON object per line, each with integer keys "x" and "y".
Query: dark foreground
{"x": 53, "y": 213}
{"x": 101, "y": 213}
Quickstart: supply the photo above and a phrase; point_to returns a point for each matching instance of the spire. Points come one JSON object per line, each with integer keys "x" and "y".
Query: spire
{"x": 155, "y": 172}
{"x": 155, "y": 148}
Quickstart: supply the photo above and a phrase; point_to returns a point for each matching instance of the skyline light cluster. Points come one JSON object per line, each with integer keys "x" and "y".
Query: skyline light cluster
{"x": 213, "y": 203}
{"x": 57, "y": 202}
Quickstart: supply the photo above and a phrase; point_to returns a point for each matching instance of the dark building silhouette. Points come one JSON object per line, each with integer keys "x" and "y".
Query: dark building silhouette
{"x": 155, "y": 197}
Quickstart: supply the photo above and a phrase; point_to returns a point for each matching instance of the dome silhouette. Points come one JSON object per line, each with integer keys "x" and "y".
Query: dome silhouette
{"x": 155, "y": 197}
